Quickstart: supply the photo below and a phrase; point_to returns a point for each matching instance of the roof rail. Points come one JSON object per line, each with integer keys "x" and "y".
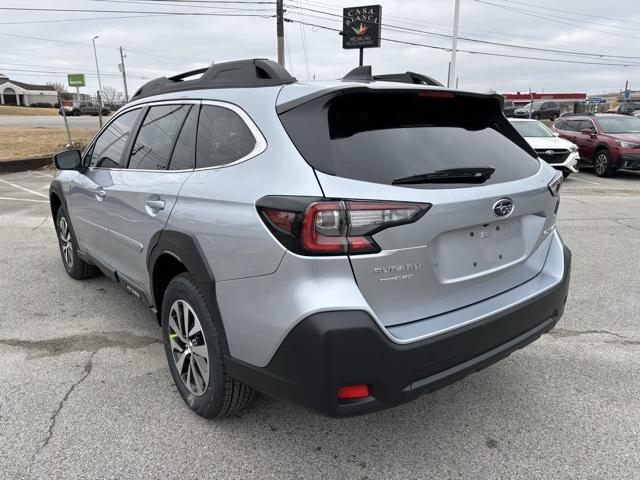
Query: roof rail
{"x": 363, "y": 74}
{"x": 257, "y": 72}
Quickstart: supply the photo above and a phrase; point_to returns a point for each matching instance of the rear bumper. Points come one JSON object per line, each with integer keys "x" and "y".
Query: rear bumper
{"x": 332, "y": 349}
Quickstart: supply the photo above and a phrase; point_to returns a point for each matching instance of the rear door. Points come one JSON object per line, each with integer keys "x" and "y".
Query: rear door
{"x": 466, "y": 248}
{"x": 586, "y": 143}
{"x": 141, "y": 197}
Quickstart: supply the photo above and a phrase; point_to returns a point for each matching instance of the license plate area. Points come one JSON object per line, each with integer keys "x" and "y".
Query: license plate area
{"x": 475, "y": 251}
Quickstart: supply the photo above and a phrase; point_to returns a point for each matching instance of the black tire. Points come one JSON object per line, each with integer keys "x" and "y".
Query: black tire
{"x": 221, "y": 395}
{"x": 73, "y": 264}
{"x": 105, "y": 113}
{"x": 602, "y": 163}
{"x": 536, "y": 116}
{"x": 554, "y": 117}
{"x": 565, "y": 174}
{"x": 76, "y": 113}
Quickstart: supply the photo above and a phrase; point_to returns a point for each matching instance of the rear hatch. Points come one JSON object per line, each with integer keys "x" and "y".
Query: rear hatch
{"x": 375, "y": 144}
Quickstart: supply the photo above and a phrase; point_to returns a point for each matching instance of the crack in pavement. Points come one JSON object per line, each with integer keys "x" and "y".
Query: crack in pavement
{"x": 564, "y": 333}
{"x": 620, "y": 222}
{"x": 91, "y": 342}
{"x": 83, "y": 342}
{"x": 54, "y": 416}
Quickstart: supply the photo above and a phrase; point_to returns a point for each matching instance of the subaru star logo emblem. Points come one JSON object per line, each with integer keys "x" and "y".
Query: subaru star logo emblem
{"x": 549, "y": 152}
{"x": 503, "y": 207}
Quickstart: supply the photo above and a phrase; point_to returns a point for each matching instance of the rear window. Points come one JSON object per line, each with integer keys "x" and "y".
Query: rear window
{"x": 379, "y": 137}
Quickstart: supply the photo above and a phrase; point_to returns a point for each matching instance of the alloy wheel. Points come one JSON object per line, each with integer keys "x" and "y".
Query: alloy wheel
{"x": 601, "y": 163}
{"x": 66, "y": 243}
{"x": 188, "y": 347}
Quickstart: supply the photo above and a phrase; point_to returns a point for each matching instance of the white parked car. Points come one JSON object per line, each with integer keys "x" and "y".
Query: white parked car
{"x": 561, "y": 154}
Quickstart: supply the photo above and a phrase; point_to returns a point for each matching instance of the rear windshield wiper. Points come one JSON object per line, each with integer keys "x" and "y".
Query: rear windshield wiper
{"x": 450, "y": 175}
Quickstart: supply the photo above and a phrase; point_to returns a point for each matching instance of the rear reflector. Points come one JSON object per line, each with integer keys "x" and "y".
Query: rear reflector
{"x": 353, "y": 391}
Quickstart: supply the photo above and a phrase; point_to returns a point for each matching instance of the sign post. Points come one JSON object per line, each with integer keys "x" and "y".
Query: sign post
{"x": 361, "y": 28}
{"x": 66, "y": 122}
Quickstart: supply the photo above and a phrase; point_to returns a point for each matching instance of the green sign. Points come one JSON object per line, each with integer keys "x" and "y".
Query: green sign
{"x": 76, "y": 79}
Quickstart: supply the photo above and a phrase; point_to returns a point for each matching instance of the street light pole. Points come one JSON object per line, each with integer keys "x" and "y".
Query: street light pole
{"x": 95, "y": 55}
{"x": 454, "y": 46}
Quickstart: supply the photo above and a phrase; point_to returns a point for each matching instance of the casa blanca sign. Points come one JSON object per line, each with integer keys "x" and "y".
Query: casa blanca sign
{"x": 361, "y": 26}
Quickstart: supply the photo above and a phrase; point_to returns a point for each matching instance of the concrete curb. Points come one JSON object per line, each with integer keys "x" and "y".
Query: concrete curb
{"x": 21, "y": 165}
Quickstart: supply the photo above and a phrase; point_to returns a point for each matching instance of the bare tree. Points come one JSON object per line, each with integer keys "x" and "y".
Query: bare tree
{"x": 112, "y": 96}
{"x": 60, "y": 87}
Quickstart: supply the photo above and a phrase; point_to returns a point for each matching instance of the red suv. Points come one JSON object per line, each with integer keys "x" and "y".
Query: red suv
{"x": 605, "y": 141}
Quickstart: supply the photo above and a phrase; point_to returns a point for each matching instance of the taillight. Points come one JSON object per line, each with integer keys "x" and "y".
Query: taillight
{"x": 311, "y": 226}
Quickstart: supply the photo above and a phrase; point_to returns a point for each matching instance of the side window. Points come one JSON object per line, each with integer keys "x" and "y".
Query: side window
{"x": 561, "y": 125}
{"x": 586, "y": 124}
{"x": 108, "y": 148}
{"x": 223, "y": 137}
{"x": 184, "y": 153}
{"x": 573, "y": 125}
{"x": 157, "y": 135}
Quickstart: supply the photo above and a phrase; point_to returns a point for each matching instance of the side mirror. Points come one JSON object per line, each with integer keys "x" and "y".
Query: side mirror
{"x": 557, "y": 134}
{"x": 587, "y": 131}
{"x": 68, "y": 160}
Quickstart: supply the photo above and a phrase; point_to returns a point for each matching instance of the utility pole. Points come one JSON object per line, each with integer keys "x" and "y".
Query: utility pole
{"x": 454, "y": 45}
{"x": 280, "y": 31}
{"x": 124, "y": 76}
{"x": 624, "y": 96}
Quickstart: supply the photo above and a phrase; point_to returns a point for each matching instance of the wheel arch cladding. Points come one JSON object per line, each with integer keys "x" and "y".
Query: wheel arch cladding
{"x": 173, "y": 253}
{"x": 55, "y": 203}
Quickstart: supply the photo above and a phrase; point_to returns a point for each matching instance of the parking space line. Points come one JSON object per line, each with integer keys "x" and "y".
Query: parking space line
{"x": 25, "y": 189}
{"x": 24, "y": 199}
{"x": 583, "y": 180}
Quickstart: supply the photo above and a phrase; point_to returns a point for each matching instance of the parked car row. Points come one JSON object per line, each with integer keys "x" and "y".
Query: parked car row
{"x": 606, "y": 142}
{"x": 75, "y": 109}
{"x": 536, "y": 110}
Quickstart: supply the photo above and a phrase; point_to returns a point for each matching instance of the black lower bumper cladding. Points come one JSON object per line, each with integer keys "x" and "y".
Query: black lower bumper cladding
{"x": 332, "y": 349}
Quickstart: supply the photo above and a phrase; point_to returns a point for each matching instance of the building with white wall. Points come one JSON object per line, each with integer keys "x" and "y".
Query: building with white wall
{"x": 13, "y": 92}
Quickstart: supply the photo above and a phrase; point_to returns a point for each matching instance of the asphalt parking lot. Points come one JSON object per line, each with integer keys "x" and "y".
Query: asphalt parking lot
{"x": 85, "y": 391}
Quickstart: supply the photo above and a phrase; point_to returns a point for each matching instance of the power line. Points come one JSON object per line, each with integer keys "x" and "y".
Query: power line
{"x": 77, "y": 19}
{"x": 169, "y": 13}
{"x": 555, "y": 20}
{"x": 492, "y": 54}
{"x": 447, "y": 27}
{"x": 580, "y": 14}
{"x": 185, "y": 5}
{"x": 475, "y": 40}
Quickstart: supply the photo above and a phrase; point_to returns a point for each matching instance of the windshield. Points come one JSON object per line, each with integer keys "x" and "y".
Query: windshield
{"x": 532, "y": 129}
{"x": 619, "y": 124}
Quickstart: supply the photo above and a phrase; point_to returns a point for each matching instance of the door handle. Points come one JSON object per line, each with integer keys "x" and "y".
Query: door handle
{"x": 155, "y": 204}
{"x": 100, "y": 194}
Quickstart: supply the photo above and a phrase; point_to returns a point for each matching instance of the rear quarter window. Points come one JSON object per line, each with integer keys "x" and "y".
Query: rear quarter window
{"x": 379, "y": 137}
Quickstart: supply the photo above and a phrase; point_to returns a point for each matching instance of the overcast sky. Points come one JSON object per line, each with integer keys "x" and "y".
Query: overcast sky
{"x": 164, "y": 45}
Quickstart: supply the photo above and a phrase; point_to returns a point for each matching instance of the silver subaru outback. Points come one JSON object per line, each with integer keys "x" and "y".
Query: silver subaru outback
{"x": 345, "y": 245}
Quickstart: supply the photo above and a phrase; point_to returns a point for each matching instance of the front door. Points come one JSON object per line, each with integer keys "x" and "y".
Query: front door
{"x": 141, "y": 197}
{"x": 86, "y": 195}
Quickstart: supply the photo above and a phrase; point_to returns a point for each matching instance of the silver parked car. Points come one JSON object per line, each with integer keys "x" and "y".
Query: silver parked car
{"x": 346, "y": 245}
